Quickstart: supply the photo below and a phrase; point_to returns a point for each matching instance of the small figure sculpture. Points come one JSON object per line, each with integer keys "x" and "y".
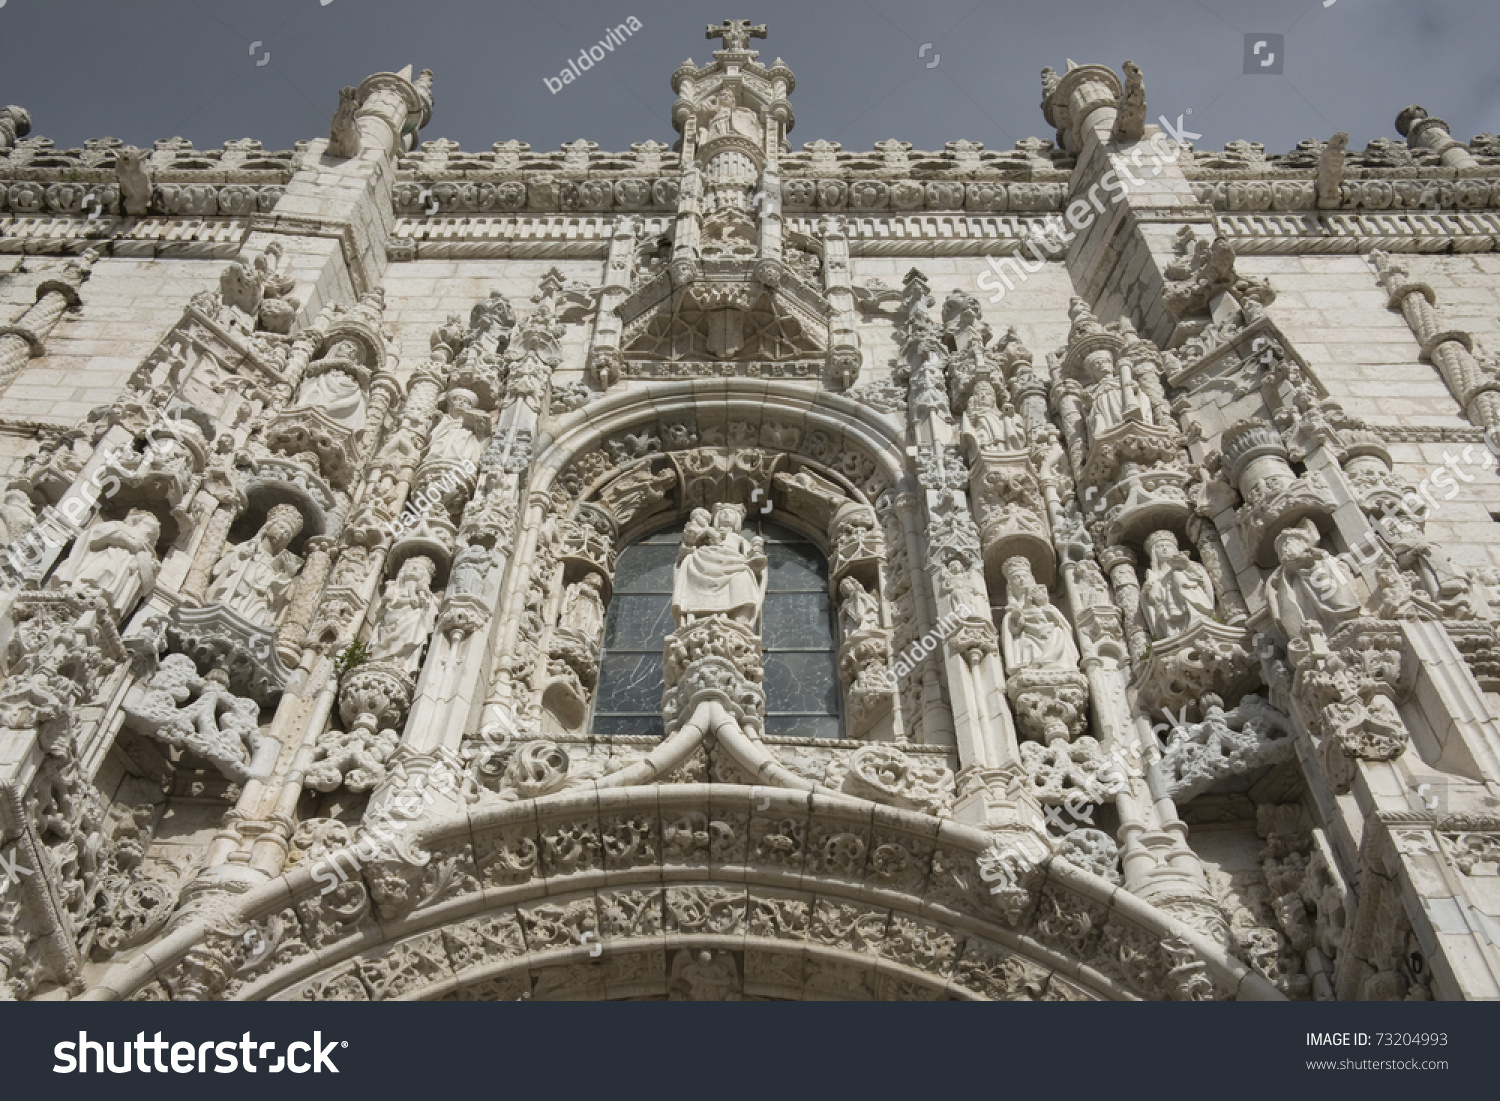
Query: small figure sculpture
{"x": 469, "y": 569}
{"x": 719, "y": 571}
{"x": 343, "y": 134}
{"x": 583, "y": 608}
{"x": 636, "y": 492}
{"x": 408, "y": 611}
{"x": 1438, "y": 577}
{"x": 490, "y": 323}
{"x": 859, "y": 610}
{"x": 254, "y": 578}
{"x": 135, "y": 182}
{"x": 1177, "y": 593}
{"x": 116, "y": 559}
{"x": 1311, "y": 589}
{"x": 459, "y": 434}
{"x": 333, "y": 391}
{"x": 989, "y": 426}
{"x": 17, "y": 515}
{"x": 1035, "y": 634}
{"x": 703, "y": 977}
{"x": 1106, "y": 403}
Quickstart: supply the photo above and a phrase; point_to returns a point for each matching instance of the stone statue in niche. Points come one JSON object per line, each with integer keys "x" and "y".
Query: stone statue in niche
{"x": 583, "y": 608}
{"x": 460, "y": 434}
{"x": 469, "y": 570}
{"x": 1035, "y": 634}
{"x": 1106, "y": 404}
{"x": 408, "y": 612}
{"x": 1310, "y": 589}
{"x": 254, "y": 578}
{"x": 730, "y": 118}
{"x": 333, "y": 391}
{"x": 859, "y": 610}
{"x": 719, "y": 571}
{"x": 1437, "y": 576}
{"x": 1177, "y": 593}
{"x": 116, "y": 559}
{"x": 988, "y": 426}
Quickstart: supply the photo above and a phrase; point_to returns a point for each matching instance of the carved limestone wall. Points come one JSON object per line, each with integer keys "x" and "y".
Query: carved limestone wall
{"x": 1162, "y": 634}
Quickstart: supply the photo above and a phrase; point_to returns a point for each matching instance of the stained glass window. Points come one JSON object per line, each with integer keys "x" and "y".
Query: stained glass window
{"x": 802, "y": 687}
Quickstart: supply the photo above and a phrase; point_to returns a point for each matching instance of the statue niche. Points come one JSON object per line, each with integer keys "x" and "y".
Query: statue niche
{"x": 1043, "y": 683}
{"x": 1311, "y": 593}
{"x": 1192, "y": 653}
{"x": 460, "y": 433}
{"x": 332, "y": 386}
{"x": 864, "y": 660}
{"x": 116, "y": 559}
{"x": 573, "y": 655}
{"x": 719, "y": 571}
{"x": 254, "y": 578}
{"x": 1177, "y": 593}
{"x": 713, "y": 658}
{"x": 408, "y": 613}
{"x": 328, "y": 416}
{"x": 987, "y": 426}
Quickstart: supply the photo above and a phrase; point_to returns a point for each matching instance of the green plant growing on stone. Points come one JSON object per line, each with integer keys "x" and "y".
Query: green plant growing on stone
{"x": 356, "y": 653}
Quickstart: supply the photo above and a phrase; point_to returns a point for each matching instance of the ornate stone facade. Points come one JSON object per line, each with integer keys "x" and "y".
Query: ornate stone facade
{"x": 1157, "y": 666}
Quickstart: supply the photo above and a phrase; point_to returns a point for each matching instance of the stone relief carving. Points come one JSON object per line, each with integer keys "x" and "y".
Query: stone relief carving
{"x": 1043, "y": 480}
{"x": 408, "y": 611}
{"x": 1250, "y": 736}
{"x": 197, "y": 714}
{"x": 116, "y": 559}
{"x": 254, "y": 578}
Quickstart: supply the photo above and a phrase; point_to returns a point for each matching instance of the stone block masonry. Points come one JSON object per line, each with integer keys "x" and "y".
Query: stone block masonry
{"x": 374, "y": 448}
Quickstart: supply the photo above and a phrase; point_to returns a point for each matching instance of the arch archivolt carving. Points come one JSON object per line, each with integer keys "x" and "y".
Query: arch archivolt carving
{"x": 817, "y": 463}
{"x": 687, "y": 891}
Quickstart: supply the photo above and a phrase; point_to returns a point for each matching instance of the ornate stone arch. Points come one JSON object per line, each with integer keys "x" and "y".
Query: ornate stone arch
{"x": 598, "y": 897}
{"x": 632, "y": 463}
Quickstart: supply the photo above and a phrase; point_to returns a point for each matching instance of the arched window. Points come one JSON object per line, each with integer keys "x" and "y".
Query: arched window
{"x": 797, "y": 633}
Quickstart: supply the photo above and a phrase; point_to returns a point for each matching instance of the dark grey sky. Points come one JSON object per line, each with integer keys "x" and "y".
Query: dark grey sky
{"x": 145, "y": 69}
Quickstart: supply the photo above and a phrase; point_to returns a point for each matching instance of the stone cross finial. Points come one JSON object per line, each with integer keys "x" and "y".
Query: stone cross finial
{"x": 736, "y": 33}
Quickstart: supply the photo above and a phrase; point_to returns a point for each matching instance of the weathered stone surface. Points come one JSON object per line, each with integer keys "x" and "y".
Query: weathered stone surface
{"x": 1065, "y": 528}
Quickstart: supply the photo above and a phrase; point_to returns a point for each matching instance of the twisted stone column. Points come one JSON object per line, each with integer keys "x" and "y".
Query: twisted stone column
{"x": 23, "y": 339}
{"x": 1215, "y": 560}
{"x": 299, "y": 611}
{"x": 1119, "y": 562}
{"x": 1451, "y": 351}
{"x": 210, "y": 548}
